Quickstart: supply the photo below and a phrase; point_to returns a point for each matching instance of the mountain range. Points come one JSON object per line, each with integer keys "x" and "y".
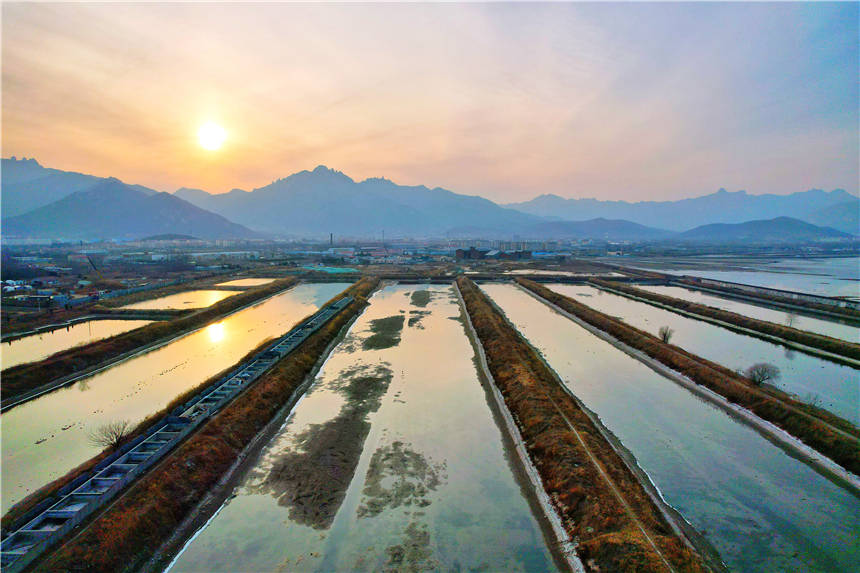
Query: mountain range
{"x": 777, "y": 230}
{"x": 43, "y": 202}
{"x": 27, "y": 185}
{"x": 112, "y": 209}
{"x": 721, "y": 207}
{"x": 315, "y": 203}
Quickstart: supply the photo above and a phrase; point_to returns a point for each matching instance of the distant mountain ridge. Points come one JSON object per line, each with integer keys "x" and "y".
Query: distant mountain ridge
{"x": 720, "y": 207}
{"x": 777, "y": 230}
{"x": 600, "y": 228}
{"x": 315, "y": 203}
{"x": 26, "y": 185}
{"x": 110, "y": 209}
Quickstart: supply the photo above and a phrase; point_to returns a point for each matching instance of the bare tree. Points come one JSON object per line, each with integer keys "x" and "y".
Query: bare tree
{"x": 666, "y": 334}
{"x": 790, "y": 318}
{"x": 110, "y": 435}
{"x": 762, "y": 372}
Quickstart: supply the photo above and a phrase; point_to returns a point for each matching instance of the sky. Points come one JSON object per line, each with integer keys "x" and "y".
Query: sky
{"x": 615, "y": 101}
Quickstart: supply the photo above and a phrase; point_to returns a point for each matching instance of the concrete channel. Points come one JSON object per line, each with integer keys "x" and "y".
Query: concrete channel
{"x": 51, "y": 520}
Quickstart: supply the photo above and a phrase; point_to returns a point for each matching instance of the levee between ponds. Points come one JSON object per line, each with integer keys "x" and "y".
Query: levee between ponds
{"x": 773, "y": 433}
{"x": 680, "y": 526}
{"x": 564, "y": 549}
{"x": 209, "y": 507}
{"x": 812, "y": 351}
{"x": 777, "y": 305}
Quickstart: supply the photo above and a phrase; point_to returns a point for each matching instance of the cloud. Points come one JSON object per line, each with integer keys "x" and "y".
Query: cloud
{"x": 626, "y": 101}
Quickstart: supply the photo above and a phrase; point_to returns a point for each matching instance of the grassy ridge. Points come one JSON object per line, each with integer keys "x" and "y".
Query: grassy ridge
{"x": 125, "y": 535}
{"x": 813, "y": 426}
{"x": 25, "y": 377}
{"x": 609, "y": 539}
{"x": 834, "y": 345}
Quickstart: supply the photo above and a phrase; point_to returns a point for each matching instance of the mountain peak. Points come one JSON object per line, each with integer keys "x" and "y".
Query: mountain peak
{"x": 324, "y": 170}
{"x": 379, "y": 180}
{"x": 722, "y": 191}
{"x": 24, "y": 161}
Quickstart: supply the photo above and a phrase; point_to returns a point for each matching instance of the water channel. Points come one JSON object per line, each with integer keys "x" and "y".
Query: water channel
{"x": 762, "y": 509}
{"x": 41, "y": 345}
{"x": 814, "y": 380}
{"x": 48, "y": 436}
{"x": 247, "y": 282}
{"x": 181, "y": 301}
{"x": 392, "y": 461}
{"x": 783, "y": 317}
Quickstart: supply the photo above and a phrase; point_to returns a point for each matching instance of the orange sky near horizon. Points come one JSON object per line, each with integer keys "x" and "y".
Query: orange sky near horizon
{"x": 633, "y": 102}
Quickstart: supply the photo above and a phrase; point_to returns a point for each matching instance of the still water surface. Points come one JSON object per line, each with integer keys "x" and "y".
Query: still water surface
{"x": 182, "y": 300}
{"x": 247, "y": 282}
{"x": 42, "y": 345}
{"x": 48, "y": 436}
{"x": 825, "y": 276}
{"x": 833, "y": 386}
{"x": 392, "y": 461}
{"x": 763, "y": 510}
{"x": 783, "y": 317}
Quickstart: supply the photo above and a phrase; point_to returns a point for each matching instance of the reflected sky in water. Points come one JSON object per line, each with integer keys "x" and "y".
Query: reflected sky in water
{"x": 183, "y": 300}
{"x": 40, "y": 346}
{"x": 46, "y": 437}
{"x": 392, "y": 461}
{"x": 762, "y": 509}
{"x": 814, "y": 380}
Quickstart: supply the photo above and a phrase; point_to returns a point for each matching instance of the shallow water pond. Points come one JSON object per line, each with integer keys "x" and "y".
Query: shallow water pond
{"x": 40, "y": 346}
{"x": 183, "y": 300}
{"x": 782, "y": 317}
{"x": 392, "y": 461}
{"x": 247, "y": 282}
{"x": 814, "y": 380}
{"x": 762, "y": 509}
{"x": 48, "y": 436}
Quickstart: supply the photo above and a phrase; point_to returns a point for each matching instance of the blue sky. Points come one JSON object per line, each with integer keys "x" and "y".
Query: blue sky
{"x": 615, "y": 101}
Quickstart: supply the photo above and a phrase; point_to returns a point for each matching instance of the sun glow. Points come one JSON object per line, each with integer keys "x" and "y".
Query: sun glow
{"x": 211, "y": 136}
{"x": 216, "y": 332}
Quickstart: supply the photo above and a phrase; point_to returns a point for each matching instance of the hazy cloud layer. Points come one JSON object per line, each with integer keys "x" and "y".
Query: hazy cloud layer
{"x": 633, "y": 101}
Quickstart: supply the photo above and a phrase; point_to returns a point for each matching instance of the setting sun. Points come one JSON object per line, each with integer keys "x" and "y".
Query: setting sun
{"x": 211, "y": 135}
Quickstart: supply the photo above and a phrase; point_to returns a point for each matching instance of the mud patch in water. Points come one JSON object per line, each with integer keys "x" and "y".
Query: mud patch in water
{"x": 415, "y": 317}
{"x": 385, "y": 333}
{"x": 421, "y": 298}
{"x": 312, "y": 482}
{"x": 399, "y": 476}
{"x": 413, "y": 553}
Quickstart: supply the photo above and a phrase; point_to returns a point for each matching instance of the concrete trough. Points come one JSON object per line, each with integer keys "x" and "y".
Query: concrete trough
{"x": 135, "y": 457}
{"x": 21, "y": 541}
{"x": 97, "y": 485}
{"x": 117, "y": 470}
{"x": 148, "y": 447}
{"x": 72, "y": 503}
{"x": 48, "y": 522}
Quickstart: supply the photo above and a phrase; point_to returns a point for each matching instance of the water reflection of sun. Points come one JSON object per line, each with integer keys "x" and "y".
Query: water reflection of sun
{"x": 216, "y": 332}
